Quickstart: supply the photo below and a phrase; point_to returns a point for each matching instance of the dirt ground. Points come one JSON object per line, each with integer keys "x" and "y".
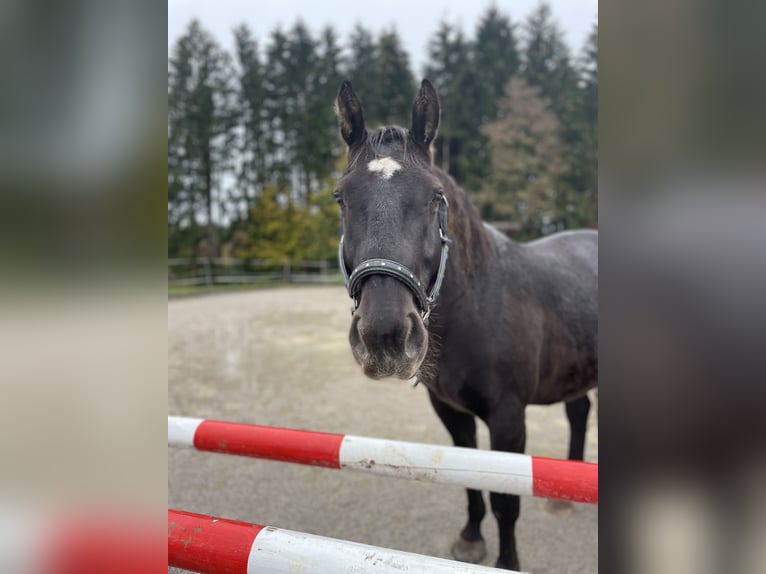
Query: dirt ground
{"x": 281, "y": 357}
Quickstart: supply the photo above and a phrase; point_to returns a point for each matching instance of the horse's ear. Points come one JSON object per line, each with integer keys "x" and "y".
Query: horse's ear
{"x": 350, "y": 115}
{"x": 425, "y": 114}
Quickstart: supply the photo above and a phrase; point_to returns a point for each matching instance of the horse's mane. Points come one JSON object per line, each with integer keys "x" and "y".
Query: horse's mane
{"x": 388, "y": 135}
{"x": 466, "y": 228}
{"x": 378, "y": 143}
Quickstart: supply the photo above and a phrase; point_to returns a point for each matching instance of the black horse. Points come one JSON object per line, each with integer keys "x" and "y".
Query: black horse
{"x": 493, "y": 327}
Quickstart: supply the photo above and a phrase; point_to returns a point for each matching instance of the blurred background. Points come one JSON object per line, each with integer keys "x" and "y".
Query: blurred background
{"x": 253, "y": 142}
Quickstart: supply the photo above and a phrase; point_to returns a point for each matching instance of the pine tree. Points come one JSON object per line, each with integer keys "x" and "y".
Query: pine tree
{"x": 321, "y": 143}
{"x": 548, "y": 66}
{"x": 470, "y": 77}
{"x": 302, "y": 77}
{"x": 496, "y": 59}
{"x": 252, "y": 174}
{"x": 302, "y": 80}
{"x": 589, "y": 74}
{"x": 278, "y": 108}
{"x": 579, "y": 184}
{"x": 395, "y": 80}
{"x": 300, "y": 142}
{"x": 201, "y": 134}
{"x": 527, "y": 162}
{"x": 362, "y": 71}
{"x": 547, "y": 62}
{"x": 269, "y": 231}
{"x": 588, "y": 152}
{"x": 449, "y": 68}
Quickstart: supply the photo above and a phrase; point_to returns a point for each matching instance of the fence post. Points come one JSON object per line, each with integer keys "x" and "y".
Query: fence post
{"x": 286, "y": 272}
{"x": 207, "y": 265}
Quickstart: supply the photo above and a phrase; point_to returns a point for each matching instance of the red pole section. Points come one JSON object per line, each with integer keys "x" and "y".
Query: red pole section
{"x": 273, "y": 443}
{"x": 210, "y": 545}
{"x": 568, "y": 480}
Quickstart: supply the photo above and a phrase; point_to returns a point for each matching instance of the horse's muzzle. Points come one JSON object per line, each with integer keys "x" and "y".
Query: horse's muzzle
{"x": 388, "y": 338}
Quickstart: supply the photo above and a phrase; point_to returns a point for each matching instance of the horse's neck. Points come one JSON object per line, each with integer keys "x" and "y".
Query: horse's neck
{"x": 470, "y": 250}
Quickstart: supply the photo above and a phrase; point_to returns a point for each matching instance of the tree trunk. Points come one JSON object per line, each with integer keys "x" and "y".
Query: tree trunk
{"x": 445, "y": 155}
{"x": 212, "y": 249}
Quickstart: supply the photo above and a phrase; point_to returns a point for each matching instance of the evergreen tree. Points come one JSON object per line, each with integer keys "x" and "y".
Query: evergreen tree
{"x": 320, "y": 226}
{"x": 449, "y": 68}
{"x": 470, "y": 77}
{"x": 278, "y": 107}
{"x": 548, "y": 66}
{"x": 547, "y": 62}
{"x": 201, "y": 134}
{"x": 496, "y": 59}
{"x": 302, "y": 77}
{"x": 362, "y": 71}
{"x": 182, "y": 185}
{"x": 252, "y": 174}
{"x": 589, "y": 75}
{"x": 270, "y": 230}
{"x": 586, "y": 156}
{"x": 527, "y": 162}
{"x": 302, "y": 81}
{"x": 279, "y": 229}
{"x": 395, "y": 80}
{"x": 321, "y": 145}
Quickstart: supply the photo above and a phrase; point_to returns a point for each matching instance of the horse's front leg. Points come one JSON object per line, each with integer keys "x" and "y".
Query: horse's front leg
{"x": 470, "y": 546}
{"x": 507, "y": 431}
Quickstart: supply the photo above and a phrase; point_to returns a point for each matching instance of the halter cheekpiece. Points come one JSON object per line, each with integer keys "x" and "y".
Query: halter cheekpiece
{"x": 400, "y": 272}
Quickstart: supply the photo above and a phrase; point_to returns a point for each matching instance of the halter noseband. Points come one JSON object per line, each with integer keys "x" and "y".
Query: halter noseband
{"x": 400, "y": 272}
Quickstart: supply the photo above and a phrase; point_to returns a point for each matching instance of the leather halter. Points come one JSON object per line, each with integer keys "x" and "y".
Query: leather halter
{"x": 380, "y": 266}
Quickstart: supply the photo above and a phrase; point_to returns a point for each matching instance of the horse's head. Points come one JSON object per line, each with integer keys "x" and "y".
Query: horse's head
{"x": 394, "y": 246}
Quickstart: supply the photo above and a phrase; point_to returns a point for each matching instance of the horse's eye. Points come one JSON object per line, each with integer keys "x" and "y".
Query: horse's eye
{"x": 338, "y": 198}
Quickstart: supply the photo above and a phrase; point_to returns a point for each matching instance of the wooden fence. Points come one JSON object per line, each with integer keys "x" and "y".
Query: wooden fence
{"x": 232, "y": 271}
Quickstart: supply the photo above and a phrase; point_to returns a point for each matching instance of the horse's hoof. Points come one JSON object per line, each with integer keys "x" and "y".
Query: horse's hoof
{"x": 465, "y": 551}
{"x": 561, "y": 507}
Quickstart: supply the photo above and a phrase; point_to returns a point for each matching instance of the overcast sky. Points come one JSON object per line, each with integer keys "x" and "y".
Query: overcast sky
{"x": 415, "y": 20}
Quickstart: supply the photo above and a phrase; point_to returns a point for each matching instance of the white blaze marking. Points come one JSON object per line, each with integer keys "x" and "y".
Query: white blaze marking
{"x": 385, "y": 167}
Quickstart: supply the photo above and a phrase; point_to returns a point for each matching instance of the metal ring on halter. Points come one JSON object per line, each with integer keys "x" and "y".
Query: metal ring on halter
{"x": 380, "y": 266}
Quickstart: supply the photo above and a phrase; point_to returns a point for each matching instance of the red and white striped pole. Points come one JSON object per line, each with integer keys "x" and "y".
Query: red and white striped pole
{"x": 219, "y": 546}
{"x": 494, "y": 471}
{"x": 86, "y": 540}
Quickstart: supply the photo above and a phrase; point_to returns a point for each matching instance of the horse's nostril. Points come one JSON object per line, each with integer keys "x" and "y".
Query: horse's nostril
{"x": 415, "y": 338}
{"x": 355, "y": 338}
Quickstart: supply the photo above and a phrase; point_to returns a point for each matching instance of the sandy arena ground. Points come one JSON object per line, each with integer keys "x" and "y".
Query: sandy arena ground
{"x": 281, "y": 357}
